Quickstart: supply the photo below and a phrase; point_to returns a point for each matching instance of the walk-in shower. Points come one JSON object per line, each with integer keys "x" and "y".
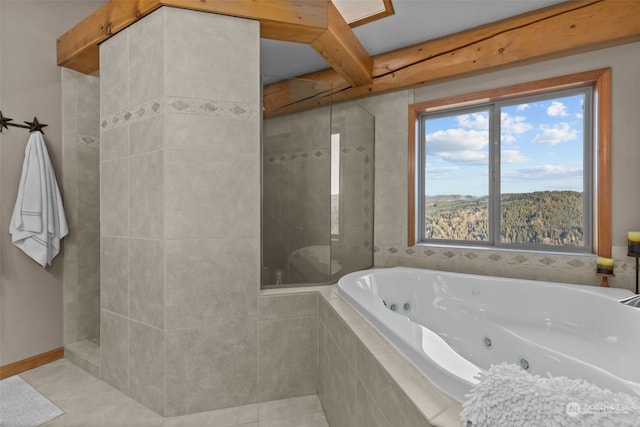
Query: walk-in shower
{"x": 317, "y": 187}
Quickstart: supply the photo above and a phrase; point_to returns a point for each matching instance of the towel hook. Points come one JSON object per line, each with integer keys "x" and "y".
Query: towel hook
{"x": 34, "y": 126}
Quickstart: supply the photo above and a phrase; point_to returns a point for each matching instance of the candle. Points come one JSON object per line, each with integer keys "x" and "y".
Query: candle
{"x": 633, "y": 239}
{"x": 605, "y": 266}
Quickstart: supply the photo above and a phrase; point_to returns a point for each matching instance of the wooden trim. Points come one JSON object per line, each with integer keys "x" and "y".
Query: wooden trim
{"x": 30, "y": 363}
{"x": 601, "y": 81}
{"x": 514, "y": 91}
{"x": 411, "y": 167}
{"x": 388, "y": 11}
{"x": 603, "y": 185}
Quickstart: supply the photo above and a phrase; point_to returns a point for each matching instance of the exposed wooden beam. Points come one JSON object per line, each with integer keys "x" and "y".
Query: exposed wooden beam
{"x": 339, "y": 46}
{"x": 564, "y": 29}
{"x": 300, "y": 21}
{"x": 315, "y": 22}
{"x": 77, "y": 49}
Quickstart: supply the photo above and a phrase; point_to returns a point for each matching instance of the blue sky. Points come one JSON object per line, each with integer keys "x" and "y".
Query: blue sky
{"x": 541, "y": 149}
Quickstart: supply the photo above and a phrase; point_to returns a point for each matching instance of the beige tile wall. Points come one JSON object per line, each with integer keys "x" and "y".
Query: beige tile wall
{"x": 80, "y": 179}
{"x": 182, "y": 331}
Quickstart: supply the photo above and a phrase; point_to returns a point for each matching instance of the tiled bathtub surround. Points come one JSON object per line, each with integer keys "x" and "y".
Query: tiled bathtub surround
{"x": 180, "y": 223}
{"x": 364, "y": 381}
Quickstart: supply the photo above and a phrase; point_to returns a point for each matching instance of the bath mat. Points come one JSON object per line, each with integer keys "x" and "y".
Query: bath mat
{"x": 23, "y": 406}
{"x": 509, "y": 396}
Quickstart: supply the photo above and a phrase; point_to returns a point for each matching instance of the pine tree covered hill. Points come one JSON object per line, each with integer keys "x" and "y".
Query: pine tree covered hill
{"x": 542, "y": 217}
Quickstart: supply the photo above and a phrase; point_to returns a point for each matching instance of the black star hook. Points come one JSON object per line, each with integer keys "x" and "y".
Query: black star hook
{"x": 4, "y": 121}
{"x": 35, "y": 126}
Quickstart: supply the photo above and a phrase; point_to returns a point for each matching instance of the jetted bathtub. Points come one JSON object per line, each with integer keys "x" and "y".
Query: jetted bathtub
{"x": 452, "y": 326}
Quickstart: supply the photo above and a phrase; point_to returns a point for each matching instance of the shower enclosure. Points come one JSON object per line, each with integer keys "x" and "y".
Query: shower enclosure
{"x": 317, "y": 187}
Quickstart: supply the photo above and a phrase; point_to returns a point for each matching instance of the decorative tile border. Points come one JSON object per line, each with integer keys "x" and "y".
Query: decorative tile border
{"x": 317, "y": 154}
{"x": 505, "y": 264}
{"x": 90, "y": 140}
{"x": 174, "y": 104}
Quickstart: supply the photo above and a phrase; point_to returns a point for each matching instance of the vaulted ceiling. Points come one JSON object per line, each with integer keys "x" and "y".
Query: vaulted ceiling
{"x": 412, "y": 21}
{"x": 422, "y": 42}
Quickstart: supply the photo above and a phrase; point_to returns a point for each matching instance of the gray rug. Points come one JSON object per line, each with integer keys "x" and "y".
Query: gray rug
{"x": 23, "y": 406}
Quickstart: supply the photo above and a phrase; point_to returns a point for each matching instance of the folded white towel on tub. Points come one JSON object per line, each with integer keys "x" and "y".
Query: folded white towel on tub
{"x": 509, "y": 396}
{"x": 38, "y": 221}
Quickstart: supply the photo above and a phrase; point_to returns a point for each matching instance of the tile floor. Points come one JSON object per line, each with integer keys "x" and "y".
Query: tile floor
{"x": 90, "y": 402}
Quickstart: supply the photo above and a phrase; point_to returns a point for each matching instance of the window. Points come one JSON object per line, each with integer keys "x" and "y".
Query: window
{"x": 335, "y": 186}
{"x": 521, "y": 167}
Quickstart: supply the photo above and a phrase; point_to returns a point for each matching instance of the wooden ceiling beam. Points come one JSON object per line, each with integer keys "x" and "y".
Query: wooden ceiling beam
{"x": 340, "y": 47}
{"x": 77, "y": 49}
{"x": 315, "y": 22}
{"x": 300, "y": 21}
{"x": 564, "y": 29}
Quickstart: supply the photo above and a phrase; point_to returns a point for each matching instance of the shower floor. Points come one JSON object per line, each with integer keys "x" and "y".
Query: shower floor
{"x": 90, "y": 402}
{"x": 85, "y": 354}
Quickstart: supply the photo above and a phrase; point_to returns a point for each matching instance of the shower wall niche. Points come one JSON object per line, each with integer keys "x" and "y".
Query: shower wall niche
{"x": 317, "y": 191}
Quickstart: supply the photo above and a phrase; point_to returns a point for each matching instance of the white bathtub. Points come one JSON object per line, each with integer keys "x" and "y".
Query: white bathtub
{"x": 456, "y": 325}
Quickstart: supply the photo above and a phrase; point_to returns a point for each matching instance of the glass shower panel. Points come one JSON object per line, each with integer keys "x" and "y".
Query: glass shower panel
{"x": 353, "y": 134}
{"x": 296, "y": 187}
{"x": 317, "y": 185}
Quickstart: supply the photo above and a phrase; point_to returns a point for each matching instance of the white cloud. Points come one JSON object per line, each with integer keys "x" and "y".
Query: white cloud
{"x": 579, "y": 116}
{"x": 467, "y": 157}
{"x": 478, "y": 121}
{"x": 557, "y": 109}
{"x": 522, "y": 107}
{"x": 441, "y": 169}
{"x": 544, "y": 172}
{"x": 514, "y": 124}
{"x": 456, "y": 140}
{"x": 512, "y": 156}
{"x": 507, "y": 138}
{"x": 459, "y": 145}
{"x": 561, "y": 132}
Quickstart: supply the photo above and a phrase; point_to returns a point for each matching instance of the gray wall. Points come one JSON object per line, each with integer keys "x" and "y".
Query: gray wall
{"x": 391, "y": 174}
{"x": 31, "y": 297}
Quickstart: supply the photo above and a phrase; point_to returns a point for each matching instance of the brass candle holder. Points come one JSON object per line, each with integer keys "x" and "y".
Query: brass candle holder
{"x": 605, "y": 270}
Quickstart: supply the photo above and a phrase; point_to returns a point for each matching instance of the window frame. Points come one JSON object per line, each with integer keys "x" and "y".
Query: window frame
{"x": 600, "y": 82}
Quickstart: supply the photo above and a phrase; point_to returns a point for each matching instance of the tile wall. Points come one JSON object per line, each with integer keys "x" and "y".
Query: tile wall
{"x": 81, "y": 184}
{"x": 180, "y": 190}
{"x": 183, "y": 328}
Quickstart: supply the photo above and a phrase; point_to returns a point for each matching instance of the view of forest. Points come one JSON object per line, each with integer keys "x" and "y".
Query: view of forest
{"x": 541, "y": 217}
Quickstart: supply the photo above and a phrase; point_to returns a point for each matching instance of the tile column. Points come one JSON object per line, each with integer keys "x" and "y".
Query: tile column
{"x": 180, "y": 208}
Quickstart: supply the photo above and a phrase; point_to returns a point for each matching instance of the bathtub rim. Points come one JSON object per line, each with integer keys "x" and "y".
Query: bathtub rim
{"x": 373, "y": 317}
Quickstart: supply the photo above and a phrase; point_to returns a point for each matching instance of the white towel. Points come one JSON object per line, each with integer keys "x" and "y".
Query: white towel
{"x": 38, "y": 221}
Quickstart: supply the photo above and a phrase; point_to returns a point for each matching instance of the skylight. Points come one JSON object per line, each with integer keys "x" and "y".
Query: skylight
{"x": 358, "y": 12}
